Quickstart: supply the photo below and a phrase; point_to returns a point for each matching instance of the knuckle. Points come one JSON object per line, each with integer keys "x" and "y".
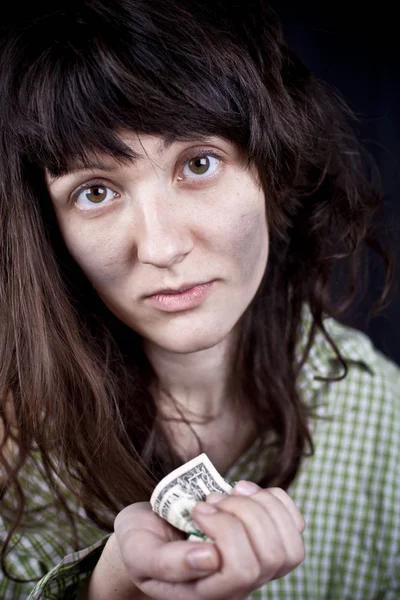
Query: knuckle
{"x": 299, "y": 555}
{"x": 275, "y": 560}
{"x": 231, "y": 501}
{"x": 278, "y": 493}
{"x": 131, "y": 511}
{"x": 163, "y": 568}
{"x": 302, "y": 523}
{"x": 230, "y": 524}
{"x": 269, "y": 499}
{"x": 122, "y": 517}
{"x": 130, "y": 563}
{"x": 248, "y": 575}
{"x": 232, "y": 507}
{"x": 124, "y": 539}
{"x": 287, "y": 502}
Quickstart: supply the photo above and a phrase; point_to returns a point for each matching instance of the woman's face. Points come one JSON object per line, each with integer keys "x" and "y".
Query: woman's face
{"x": 179, "y": 215}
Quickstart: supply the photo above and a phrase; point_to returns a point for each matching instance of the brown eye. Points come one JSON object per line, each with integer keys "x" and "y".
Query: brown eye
{"x": 96, "y": 194}
{"x": 199, "y": 165}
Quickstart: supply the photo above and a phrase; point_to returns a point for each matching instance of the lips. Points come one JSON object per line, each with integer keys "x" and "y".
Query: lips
{"x": 177, "y": 301}
{"x": 182, "y": 288}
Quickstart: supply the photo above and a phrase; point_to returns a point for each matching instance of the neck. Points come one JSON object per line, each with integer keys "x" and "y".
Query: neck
{"x": 197, "y": 382}
{"x": 195, "y": 409}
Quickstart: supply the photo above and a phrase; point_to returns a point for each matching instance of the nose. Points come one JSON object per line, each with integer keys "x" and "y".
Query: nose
{"x": 163, "y": 239}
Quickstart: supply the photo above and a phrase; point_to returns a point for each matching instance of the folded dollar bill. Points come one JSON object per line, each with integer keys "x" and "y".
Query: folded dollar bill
{"x": 175, "y": 496}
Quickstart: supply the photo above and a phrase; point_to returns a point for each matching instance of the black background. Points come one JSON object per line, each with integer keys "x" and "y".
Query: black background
{"x": 356, "y": 49}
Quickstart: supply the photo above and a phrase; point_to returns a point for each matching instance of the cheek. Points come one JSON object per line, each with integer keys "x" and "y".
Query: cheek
{"x": 101, "y": 257}
{"x": 252, "y": 241}
{"x": 248, "y": 242}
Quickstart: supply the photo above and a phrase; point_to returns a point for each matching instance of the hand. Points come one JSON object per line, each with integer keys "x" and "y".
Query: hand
{"x": 257, "y": 538}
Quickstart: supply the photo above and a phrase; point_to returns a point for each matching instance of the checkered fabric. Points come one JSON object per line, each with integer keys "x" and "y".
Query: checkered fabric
{"x": 348, "y": 492}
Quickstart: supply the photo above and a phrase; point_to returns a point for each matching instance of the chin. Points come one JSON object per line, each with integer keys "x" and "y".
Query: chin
{"x": 189, "y": 342}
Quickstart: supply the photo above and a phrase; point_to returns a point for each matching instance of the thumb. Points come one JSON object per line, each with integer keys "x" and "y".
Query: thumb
{"x": 147, "y": 552}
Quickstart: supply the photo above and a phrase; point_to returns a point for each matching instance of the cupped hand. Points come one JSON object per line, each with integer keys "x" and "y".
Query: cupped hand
{"x": 257, "y": 538}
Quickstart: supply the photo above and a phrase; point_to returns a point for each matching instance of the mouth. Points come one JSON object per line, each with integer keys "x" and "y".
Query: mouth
{"x": 180, "y": 299}
{"x": 181, "y": 289}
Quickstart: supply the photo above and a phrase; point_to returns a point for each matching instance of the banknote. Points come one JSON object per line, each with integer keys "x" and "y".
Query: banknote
{"x": 175, "y": 496}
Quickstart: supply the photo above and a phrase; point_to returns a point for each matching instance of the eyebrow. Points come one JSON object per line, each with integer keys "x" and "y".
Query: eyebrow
{"x": 78, "y": 167}
{"x": 75, "y": 168}
{"x": 96, "y": 164}
{"x": 163, "y": 145}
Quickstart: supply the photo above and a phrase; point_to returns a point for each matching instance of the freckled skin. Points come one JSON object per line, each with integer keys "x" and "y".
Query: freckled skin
{"x": 162, "y": 232}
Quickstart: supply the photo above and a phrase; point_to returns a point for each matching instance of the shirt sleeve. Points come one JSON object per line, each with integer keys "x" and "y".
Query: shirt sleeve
{"x": 65, "y": 580}
{"x": 348, "y": 490}
{"x": 43, "y": 558}
{"x": 40, "y": 555}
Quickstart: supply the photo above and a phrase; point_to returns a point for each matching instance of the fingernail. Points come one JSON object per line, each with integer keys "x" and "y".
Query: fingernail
{"x": 201, "y": 559}
{"x": 246, "y": 488}
{"x": 214, "y": 498}
{"x": 205, "y": 509}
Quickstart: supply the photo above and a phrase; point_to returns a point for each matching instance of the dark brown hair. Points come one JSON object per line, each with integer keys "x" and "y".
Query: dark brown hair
{"x": 74, "y": 75}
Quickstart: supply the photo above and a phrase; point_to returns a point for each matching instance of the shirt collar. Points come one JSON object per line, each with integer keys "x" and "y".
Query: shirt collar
{"x": 323, "y": 362}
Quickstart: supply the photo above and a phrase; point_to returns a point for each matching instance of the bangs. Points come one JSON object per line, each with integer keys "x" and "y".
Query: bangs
{"x": 100, "y": 75}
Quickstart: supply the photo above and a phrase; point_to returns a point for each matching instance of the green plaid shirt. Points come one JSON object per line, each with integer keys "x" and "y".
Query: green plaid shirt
{"x": 348, "y": 492}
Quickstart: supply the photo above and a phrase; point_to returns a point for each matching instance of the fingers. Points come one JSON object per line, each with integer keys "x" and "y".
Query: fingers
{"x": 149, "y": 551}
{"x": 271, "y": 525}
{"x": 271, "y": 515}
{"x": 240, "y": 569}
{"x": 263, "y": 533}
{"x": 248, "y": 488}
{"x": 257, "y": 535}
{"x": 172, "y": 562}
{"x": 290, "y": 507}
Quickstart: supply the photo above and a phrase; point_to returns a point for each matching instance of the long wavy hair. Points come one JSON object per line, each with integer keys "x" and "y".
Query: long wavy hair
{"x": 75, "y": 382}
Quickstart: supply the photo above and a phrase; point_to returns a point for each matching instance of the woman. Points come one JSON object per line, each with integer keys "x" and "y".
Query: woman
{"x": 176, "y": 188}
